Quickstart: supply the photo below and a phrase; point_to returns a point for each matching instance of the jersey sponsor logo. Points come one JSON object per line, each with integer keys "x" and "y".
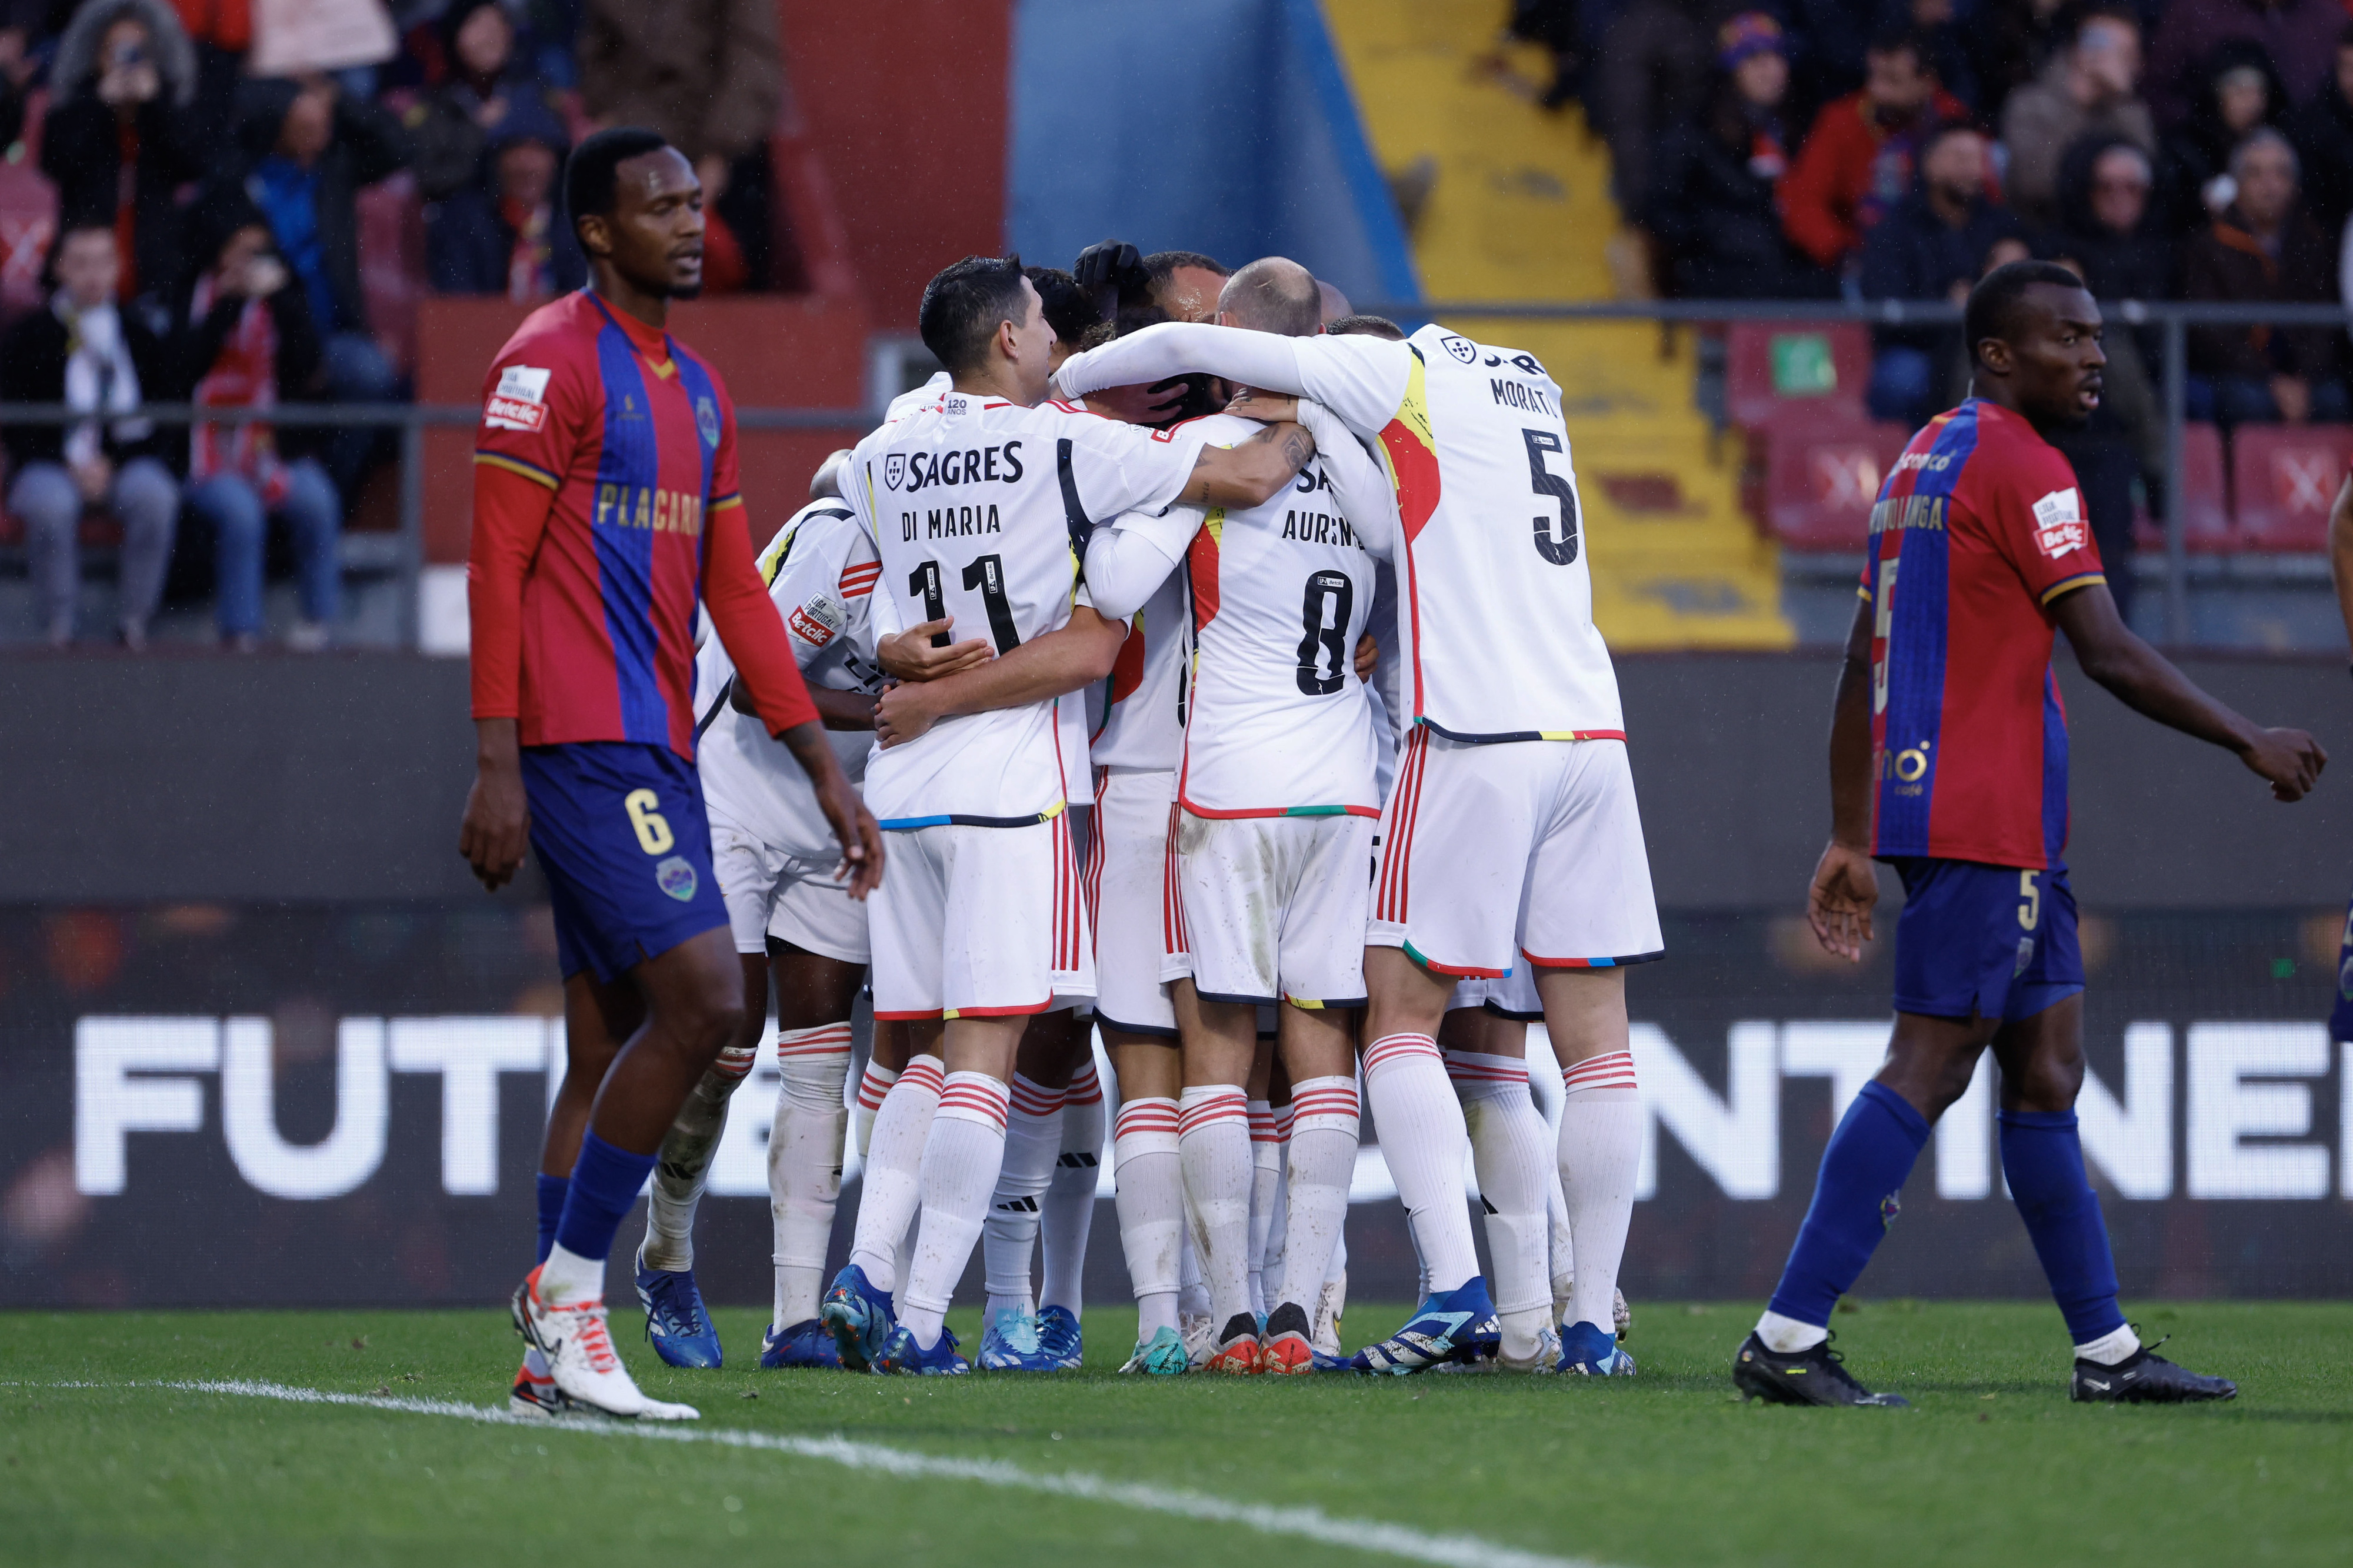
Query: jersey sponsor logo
{"x": 505, "y": 413}
{"x": 1520, "y": 395}
{"x": 649, "y": 507}
{"x": 676, "y": 877}
{"x": 948, "y": 522}
{"x": 706, "y": 422}
{"x": 1462, "y": 349}
{"x": 818, "y": 620}
{"x": 1930, "y": 462}
{"x": 2059, "y": 526}
{"x": 524, "y": 384}
{"x": 981, "y": 465}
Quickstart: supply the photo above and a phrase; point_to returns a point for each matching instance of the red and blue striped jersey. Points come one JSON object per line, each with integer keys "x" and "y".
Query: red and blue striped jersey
{"x": 1979, "y": 528}
{"x": 636, "y": 437}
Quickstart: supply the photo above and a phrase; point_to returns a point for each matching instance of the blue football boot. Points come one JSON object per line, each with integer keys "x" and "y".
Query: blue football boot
{"x": 675, "y": 1319}
{"x": 1444, "y": 1328}
{"x": 1009, "y": 1343}
{"x": 806, "y": 1344}
{"x": 1587, "y": 1352}
{"x": 900, "y": 1354}
{"x": 1059, "y": 1341}
{"x": 859, "y": 1317}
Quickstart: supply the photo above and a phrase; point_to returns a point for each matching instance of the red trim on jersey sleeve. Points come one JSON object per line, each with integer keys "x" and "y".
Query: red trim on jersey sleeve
{"x": 510, "y": 512}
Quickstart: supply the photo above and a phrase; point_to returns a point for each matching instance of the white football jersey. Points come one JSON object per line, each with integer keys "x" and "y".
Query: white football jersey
{"x": 1138, "y": 715}
{"x": 922, "y": 396}
{"x": 1495, "y": 614}
{"x": 820, "y": 570}
{"x": 978, "y": 508}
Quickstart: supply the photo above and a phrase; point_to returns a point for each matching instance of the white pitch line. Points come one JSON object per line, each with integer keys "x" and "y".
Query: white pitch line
{"x": 1306, "y": 1524}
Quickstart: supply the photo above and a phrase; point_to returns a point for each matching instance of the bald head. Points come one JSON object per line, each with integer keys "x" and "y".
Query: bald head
{"x": 1335, "y": 304}
{"x": 1274, "y": 295}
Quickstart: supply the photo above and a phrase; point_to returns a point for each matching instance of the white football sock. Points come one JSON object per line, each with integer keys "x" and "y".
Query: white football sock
{"x": 805, "y": 1165}
{"x": 1564, "y": 1249}
{"x": 1070, "y": 1208}
{"x": 1213, "y": 1140}
{"x": 1787, "y": 1336}
{"x": 1600, "y": 1144}
{"x": 1266, "y": 1195}
{"x": 1511, "y": 1155}
{"x": 1150, "y": 1176}
{"x": 1278, "y": 1220}
{"x": 961, "y": 1162}
{"x": 1192, "y": 1290}
{"x": 1033, "y": 1137}
{"x": 894, "y": 1161}
{"x": 1422, "y": 1139}
{"x": 2110, "y": 1348}
{"x": 872, "y": 1085}
{"x": 684, "y": 1166}
{"x": 1323, "y": 1160}
{"x": 567, "y": 1278}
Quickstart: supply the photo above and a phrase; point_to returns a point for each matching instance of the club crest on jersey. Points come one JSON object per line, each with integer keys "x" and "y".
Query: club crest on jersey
{"x": 894, "y": 470}
{"x": 2059, "y": 524}
{"x": 706, "y": 420}
{"x": 676, "y": 877}
{"x": 1461, "y": 348}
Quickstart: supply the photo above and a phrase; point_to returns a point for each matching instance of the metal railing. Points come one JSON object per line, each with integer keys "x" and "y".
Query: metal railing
{"x": 2172, "y": 319}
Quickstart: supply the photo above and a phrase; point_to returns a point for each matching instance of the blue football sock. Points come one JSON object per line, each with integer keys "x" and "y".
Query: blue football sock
{"x": 605, "y": 1182}
{"x": 551, "y": 1190}
{"x": 1870, "y": 1154}
{"x": 2044, "y": 1157}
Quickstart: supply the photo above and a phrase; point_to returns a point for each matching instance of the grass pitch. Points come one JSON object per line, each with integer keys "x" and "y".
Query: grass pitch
{"x": 100, "y": 1464}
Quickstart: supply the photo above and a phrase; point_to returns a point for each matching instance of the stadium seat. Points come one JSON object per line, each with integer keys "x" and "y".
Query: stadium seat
{"x": 29, "y": 218}
{"x": 1772, "y": 364}
{"x": 2205, "y": 515}
{"x": 1821, "y": 478}
{"x": 2283, "y": 479}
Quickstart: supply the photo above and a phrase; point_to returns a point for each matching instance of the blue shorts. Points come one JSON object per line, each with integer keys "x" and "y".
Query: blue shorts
{"x": 1989, "y": 941}
{"x": 622, "y": 836}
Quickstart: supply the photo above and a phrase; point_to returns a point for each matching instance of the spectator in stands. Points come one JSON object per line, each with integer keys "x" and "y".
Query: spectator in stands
{"x": 709, "y": 76}
{"x": 86, "y": 352}
{"x": 222, "y": 32}
{"x": 1653, "y": 77}
{"x": 1934, "y": 23}
{"x": 248, "y": 341}
{"x": 2090, "y": 89}
{"x": 2264, "y": 251}
{"x": 1857, "y": 161}
{"x": 311, "y": 146}
{"x": 2242, "y": 92}
{"x": 124, "y": 76}
{"x": 452, "y": 124}
{"x": 1933, "y": 246}
{"x": 2011, "y": 42}
{"x": 24, "y": 30}
{"x": 2299, "y": 36}
{"x": 2323, "y": 133}
{"x": 1711, "y": 204}
{"x": 502, "y": 235}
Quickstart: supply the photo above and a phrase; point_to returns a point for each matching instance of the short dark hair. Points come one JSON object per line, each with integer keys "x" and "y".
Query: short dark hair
{"x": 1069, "y": 310}
{"x": 1365, "y": 326}
{"x": 1903, "y": 41}
{"x": 964, "y": 305}
{"x": 592, "y": 181}
{"x": 1161, "y": 264}
{"x": 1993, "y": 307}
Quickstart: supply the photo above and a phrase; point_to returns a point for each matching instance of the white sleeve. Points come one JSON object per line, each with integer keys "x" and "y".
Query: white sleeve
{"x": 1116, "y": 467}
{"x": 1127, "y": 562}
{"x": 1366, "y": 497}
{"x": 1361, "y": 379}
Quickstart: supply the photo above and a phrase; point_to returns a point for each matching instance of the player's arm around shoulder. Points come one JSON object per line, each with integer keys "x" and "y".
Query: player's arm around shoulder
{"x": 1076, "y": 654}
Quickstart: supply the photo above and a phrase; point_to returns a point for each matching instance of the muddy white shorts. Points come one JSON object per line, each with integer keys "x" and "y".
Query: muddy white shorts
{"x": 1274, "y": 907}
{"x": 979, "y": 922}
{"x": 793, "y": 899}
{"x": 1131, "y": 895}
{"x": 1518, "y": 850}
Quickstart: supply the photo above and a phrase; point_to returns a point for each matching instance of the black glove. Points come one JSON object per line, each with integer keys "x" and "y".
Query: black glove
{"x": 1112, "y": 274}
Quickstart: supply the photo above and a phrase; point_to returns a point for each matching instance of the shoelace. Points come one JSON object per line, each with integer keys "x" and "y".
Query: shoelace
{"x": 594, "y": 1341}
{"x": 678, "y": 1321}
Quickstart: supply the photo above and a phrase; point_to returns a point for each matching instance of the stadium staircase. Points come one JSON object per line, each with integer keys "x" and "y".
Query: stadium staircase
{"x": 1517, "y": 207}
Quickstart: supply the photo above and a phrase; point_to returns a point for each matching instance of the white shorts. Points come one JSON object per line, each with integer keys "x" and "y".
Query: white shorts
{"x": 1274, "y": 907}
{"x": 770, "y": 893}
{"x": 1514, "y": 997}
{"x": 979, "y": 922}
{"x": 1131, "y": 895}
{"x": 1517, "y": 849}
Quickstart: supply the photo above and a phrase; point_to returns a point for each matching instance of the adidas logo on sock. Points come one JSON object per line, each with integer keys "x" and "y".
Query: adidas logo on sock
{"x": 1077, "y": 1160}
{"x": 1018, "y": 1205}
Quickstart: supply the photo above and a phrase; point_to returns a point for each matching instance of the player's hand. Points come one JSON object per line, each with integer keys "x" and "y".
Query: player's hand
{"x": 497, "y": 827}
{"x": 1368, "y": 656}
{"x": 1839, "y": 904}
{"x": 901, "y": 713}
{"x": 1168, "y": 399}
{"x": 910, "y": 656}
{"x": 855, "y": 829}
{"x": 2290, "y": 759}
{"x": 1266, "y": 407}
{"x": 1114, "y": 264}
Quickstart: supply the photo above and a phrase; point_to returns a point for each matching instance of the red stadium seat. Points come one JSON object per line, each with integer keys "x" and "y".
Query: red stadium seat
{"x": 2205, "y": 517}
{"x": 1775, "y": 364}
{"x": 28, "y": 220}
{"x": 2285, "y": 479}
{"x": 1822, "y": 477}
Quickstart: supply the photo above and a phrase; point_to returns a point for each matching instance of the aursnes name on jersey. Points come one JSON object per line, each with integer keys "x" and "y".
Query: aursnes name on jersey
{"x": 1317, "y": 527}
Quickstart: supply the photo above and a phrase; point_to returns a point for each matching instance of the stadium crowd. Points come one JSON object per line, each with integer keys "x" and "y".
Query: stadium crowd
{"x": 193, "y": 183}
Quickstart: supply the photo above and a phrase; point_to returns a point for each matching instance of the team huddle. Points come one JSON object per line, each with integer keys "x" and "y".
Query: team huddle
{"x": 1193, "y": 664}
